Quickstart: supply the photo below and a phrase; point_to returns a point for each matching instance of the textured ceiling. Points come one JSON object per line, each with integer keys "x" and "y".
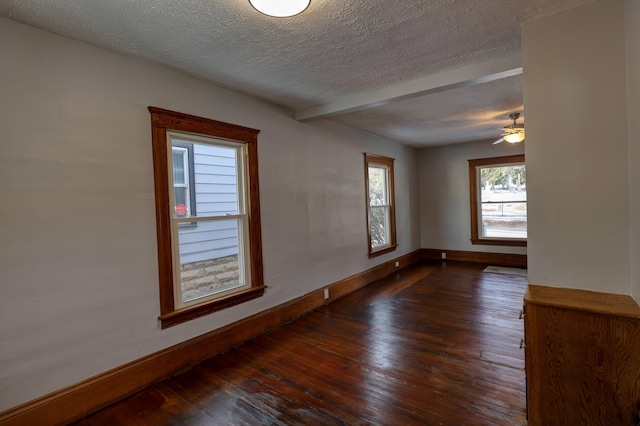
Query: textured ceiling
{"x": 332, "y": 50}
{"x": 467, "y": 114}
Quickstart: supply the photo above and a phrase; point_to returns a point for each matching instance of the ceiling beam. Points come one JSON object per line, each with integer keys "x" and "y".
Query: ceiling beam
{"x": 465, "y": 76}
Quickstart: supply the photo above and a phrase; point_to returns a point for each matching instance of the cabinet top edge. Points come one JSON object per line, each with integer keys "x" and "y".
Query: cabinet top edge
{"x": 584, "y": 300}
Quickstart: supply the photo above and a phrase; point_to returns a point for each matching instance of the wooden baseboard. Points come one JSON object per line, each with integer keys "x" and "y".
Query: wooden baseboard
{"x": 497, "y": 259}
{"x": 81, "y": 399}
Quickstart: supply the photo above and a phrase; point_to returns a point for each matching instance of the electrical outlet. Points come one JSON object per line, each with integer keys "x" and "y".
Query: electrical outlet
{"x": 326, "y": 293}
{"x": 397, "y": 264}
{"x": 444, "y": 256}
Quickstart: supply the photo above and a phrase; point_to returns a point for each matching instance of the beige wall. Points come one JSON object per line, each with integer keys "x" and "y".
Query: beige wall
{"x": 632, "y": 20}
{"x": 577, "y": 166}
{"x": 78, "y": 256}
{"x": 445, "y": 221}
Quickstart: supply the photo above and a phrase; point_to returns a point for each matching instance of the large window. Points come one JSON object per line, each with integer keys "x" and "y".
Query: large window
{"x": 381, "y": 217}
{"x": 498, "y": 188}
{"x": 207, "y": 214}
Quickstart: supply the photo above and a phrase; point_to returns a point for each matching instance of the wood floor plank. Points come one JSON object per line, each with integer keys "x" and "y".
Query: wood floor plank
{"x": 435, "y": 343}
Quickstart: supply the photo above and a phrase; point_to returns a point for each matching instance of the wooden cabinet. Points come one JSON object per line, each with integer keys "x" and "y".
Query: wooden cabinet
{"x": 582, "y": 357}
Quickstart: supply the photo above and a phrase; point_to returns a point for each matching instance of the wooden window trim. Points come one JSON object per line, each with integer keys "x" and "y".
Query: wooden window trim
{"x": 473, "y": 191}
{"x": 162, "y": 121}
{"x": 388, "y": 162}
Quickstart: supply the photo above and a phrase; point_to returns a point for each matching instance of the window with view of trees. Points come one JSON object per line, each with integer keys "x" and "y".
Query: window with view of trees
{"x": 381, "y": 221}
{"x": 498, "y": 188}
{"x": 207, "y": 215}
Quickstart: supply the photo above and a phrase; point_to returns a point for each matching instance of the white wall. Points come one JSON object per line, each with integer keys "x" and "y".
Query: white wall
{"x": 444, "y": 194}
{"x": 77, "y": 242}
{"x": 577, "y": 166}
{"x": 632, "y": 20}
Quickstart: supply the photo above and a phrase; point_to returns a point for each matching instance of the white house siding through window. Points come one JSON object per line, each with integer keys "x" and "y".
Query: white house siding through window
{"x": 208, "y": 249}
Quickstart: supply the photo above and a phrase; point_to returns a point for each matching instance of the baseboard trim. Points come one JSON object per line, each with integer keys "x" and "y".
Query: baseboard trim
{"x": 88, "y": 396}
{"x": 497, "y": 259}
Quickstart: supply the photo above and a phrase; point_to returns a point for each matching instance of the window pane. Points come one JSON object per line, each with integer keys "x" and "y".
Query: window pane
{"x": 179, "y": 177}
{"x": 377, "y": 185}
{"x": 216, "y": 179}
{"x": 503, "y": 198}
{"x": 181, "y": 201}
{"x": 209, "y": 258}
{"x": 504, "y": 220}
{"x": 379, "y": 226}
{"x": 503, "y": 183}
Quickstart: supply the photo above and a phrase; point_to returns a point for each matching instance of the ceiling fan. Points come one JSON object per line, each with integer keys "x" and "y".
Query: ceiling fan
{"x": 513, "y": 133}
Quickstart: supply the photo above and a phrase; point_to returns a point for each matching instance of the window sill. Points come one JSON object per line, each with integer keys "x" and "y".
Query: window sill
{"x": 382, "y": 251}
{"x": 192, "y": 312}
{"x": 489, "y": 242}
{"x": 187, "y": 225}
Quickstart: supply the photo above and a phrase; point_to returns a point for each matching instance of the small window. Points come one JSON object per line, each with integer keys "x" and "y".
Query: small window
{"x": 207, "y": 214}
{"x": 498, "y": 188}
{"x": 184, "y": 181}
{"x": 381, "y": 217}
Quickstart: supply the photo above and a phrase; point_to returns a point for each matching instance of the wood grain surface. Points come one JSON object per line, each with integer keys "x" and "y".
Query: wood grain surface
{"x": 435, "y": 343}
{"x": 583, "y": 358}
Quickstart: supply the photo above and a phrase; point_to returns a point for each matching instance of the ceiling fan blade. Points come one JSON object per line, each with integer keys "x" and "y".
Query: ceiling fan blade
{"x": 498, "y": 141}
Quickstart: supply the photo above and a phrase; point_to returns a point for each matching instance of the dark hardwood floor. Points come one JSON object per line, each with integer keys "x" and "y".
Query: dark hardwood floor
{"x": 434, "y": 344}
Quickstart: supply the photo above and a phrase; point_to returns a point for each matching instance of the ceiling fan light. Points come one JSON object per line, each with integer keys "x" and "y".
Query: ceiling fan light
{"x": 514, "y": 137}
{"x": 280, "y": 8}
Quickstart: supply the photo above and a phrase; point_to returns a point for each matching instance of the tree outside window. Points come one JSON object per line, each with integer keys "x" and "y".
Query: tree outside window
{"x": 498, "y": 188}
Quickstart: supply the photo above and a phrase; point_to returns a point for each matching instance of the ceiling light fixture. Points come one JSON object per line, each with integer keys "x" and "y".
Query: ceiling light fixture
{"x": 280, "y": 8}
{"x": 513, "y": 133}
{"x": 514, "y": 137}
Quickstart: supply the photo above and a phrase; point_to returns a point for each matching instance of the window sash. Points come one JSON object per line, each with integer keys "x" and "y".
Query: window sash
{"x": 244, "y": 276}
{"x": 383, "y": 196}
{"x": 174, "y": 137}
{"x": 380, "y": 239}
{"x": 241, "y": 218}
